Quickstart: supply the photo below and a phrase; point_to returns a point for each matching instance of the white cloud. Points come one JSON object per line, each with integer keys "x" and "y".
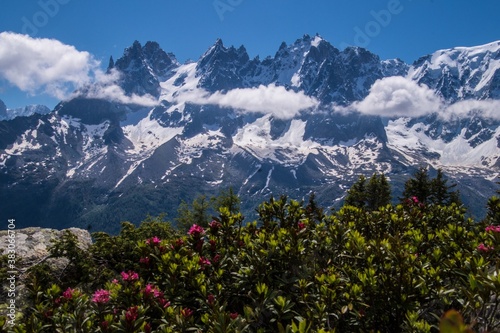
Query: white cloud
{"x": 47, "y": 65}
{"x": 488, "y": 108}
{"x": 106, "y": 88}
{"x": 271, "y": 99}
{"x": 399, "y": 97}
{"x": 41, "y": 65}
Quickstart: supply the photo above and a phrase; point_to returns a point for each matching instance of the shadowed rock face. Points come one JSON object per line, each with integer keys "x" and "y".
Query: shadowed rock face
{"x": 3, "y": 110}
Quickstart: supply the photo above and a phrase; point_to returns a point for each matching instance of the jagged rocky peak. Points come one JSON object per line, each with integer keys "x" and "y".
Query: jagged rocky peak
{"x": 111, "y": 64}
{"x": 160, "y": 61}
{"x": 136, "y": 56}
{"x": 222, "y": 68}
{"x": 218, "y": 52}
{"x": 303, "y": 46}
{"x": 359, "y": 54}
{"x": 143, "y": 67}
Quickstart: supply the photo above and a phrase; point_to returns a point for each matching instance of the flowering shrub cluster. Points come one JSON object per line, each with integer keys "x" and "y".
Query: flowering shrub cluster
{"x": 395, "y": 269}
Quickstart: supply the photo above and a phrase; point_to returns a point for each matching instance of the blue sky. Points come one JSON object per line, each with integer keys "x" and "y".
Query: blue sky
{"x": 406, "y": 29}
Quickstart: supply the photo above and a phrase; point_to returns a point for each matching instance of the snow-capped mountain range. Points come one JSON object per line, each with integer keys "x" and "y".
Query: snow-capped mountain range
{"x": 8, "y": 114}
{"x": 312, "y": 118}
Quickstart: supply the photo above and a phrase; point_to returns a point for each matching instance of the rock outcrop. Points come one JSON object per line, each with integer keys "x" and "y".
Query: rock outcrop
{"x": 32, "y": 248}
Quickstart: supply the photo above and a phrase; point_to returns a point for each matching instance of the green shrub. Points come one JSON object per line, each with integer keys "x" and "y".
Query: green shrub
{"x": 394, "y": 269}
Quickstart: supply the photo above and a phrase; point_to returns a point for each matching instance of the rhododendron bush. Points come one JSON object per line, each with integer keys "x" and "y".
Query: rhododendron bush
{"x": 399, "y": 268}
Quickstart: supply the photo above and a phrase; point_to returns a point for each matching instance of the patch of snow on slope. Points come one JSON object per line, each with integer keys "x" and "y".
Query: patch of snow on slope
{"x": 458, "y": 152}
{"x": 148, "y": 135}
{"x": 26, "y": 142}
{"x": 193, "y": 147}
{"x": 131, "y": 169}
{"x": 289, "y": 149}
{"x": 183, "y": 81}
{"x": 92, "y": 134}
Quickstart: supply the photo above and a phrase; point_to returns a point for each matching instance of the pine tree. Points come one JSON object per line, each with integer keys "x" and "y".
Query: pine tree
{"x": 369, "y": 195}
{"x": 356, "y": 195}
{"x": 198, "y": 213}
{"x": 493, "y": 214}
{"x": 228, "y": 199}
{"x": 313, "y": 211}
{"x": 493, "y": 205}
{"x": 378, "y": 192}
{"x": 433, "y": 191}
{"x": 419, "y": 186}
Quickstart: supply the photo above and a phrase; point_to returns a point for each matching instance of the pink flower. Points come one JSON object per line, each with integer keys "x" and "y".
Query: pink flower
{"x": 213, "y": 245}
{"x": 131, "y": 314}
{"x": 492, "y": 228}
{"x": 101, "y": 296}
{"x": 129, "y": 276}
{"x": 144, "y": 260}
{"x": 154, "y": 240}
{"x": 204, "y": 262}
{"x": 216, "y": 258}
{"x": 68, "y": 294}
{"x": 414, "y": 199}
{"x": 177, "y": 245}
{"x": 148, "y": 290}
{"x": 186, "y": 312}
{"x": 152, "y": 290}
{"x": 483, "y": 248}
{"x": 233, "y": 315}
{"x": 196, "y": 230}
{"x": 301, "y": 225}
{"x": 157, "y": 294}
{"x": 214, "y": 226}
{"x": 164, "y": 303}
{"x": 115, "y": 281}
{"x": 105, "y": 325}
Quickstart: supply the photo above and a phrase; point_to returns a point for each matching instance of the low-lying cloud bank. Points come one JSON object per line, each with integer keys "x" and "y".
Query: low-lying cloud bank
{"x": 42, "y": 65}
{"x": 271, "y": 99}
{"x": 397, "y": 96}
{"x": 106, "y": 88}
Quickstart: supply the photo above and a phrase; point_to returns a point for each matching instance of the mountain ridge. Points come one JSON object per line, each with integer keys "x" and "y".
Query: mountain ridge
{"x": 305, "y": 120}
